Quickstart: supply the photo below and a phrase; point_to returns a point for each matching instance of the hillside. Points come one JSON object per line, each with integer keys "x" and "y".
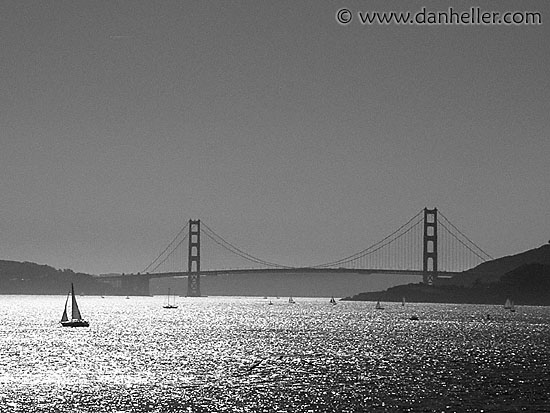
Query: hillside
{"x": 31, "y": 278}
{"x": 492, "y": 271}
{"x": 527, "y": 285}
{"x": 524, "y": 277}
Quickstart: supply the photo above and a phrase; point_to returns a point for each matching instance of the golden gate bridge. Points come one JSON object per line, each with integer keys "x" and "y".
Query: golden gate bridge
{"x": 428, "y": 244}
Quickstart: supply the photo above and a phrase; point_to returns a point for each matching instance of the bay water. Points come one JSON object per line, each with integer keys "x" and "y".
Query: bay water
{"x": 240, "y": 354}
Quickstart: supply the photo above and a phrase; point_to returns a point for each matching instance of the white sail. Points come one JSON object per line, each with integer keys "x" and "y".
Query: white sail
{"x": 508, "y": 304}
{"x": 75, "y": 314}
{"x": 64, "y": 316}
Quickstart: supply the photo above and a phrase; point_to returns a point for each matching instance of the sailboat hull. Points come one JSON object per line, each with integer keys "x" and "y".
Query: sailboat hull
{"x": 75, "y": 323}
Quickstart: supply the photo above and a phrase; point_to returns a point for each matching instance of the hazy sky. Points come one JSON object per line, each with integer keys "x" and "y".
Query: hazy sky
{"x": 298, "y": 139}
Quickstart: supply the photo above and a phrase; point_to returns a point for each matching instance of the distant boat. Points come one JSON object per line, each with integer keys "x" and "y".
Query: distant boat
{"x": 76, "y": 318}
{"x": 168, "y": 305}
{"x": 403, "y": 302}
{"x": 270, "y": 303}
{"x": 378, "y": 306}
{"x": 513, "y": 307}
{"x": 291, "y": 301}
{"x": 332, "y": 301}
{"x": 508, "y": 304}
{"x": 414, "y": 317}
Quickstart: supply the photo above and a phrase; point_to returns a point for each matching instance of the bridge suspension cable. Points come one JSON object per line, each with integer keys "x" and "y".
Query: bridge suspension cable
{"x": 480, "y": 252}
{"x": 403, "y": 249}
{"x": 378, "y": 245}
{"x": 163, "y": 256}
{"x": 209, "y": 232}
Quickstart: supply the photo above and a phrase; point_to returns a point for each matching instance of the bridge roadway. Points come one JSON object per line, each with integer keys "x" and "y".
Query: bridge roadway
{"x": 138, "y": 284}
{"x": 441, "y": 274}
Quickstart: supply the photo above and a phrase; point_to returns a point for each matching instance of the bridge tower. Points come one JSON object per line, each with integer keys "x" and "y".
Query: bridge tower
{"x": 430, "y": 246}
{"x": 194, "y": 259}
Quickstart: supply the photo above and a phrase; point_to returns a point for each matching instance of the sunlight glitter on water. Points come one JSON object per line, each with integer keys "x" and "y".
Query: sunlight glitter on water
{"x": 240, "y": 354}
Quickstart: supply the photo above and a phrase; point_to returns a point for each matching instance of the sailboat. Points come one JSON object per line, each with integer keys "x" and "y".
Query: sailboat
{"x": 508, "y": 304}
{"x": 379, "y": 306}
{"x": 332, "y": 301}
{"x": 403, "y": 302}
{"x": 291, "y": 300}
{"x": 168, "y": 305}
{"x": 76, "y": 318}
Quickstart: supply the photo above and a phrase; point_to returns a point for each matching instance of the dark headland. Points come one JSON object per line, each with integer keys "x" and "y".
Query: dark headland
{"x": 31, "y": 278}
{"x": 523, "y": 277}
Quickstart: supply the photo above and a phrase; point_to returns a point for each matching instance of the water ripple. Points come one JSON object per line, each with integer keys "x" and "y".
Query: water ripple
{"x": 241, "y": 355}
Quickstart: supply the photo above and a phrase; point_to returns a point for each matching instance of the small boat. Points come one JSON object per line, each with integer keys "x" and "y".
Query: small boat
{"x": 512, "y": 307}
{"x": 403, "y": 302}
{"x": 270, "y": 303}
{"x": 168, "y": 305}
{"x": 332, "y": 301}
{"x": 414, "y": 317}
{"x": 76, "y": 318}
{"x": 291, "y": 301}
{"x": 508, "y": 304}
{"x": 379, "y": 306}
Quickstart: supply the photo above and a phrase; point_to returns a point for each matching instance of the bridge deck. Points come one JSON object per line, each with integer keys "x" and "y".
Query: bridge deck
{"x": 309, "y": 270}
